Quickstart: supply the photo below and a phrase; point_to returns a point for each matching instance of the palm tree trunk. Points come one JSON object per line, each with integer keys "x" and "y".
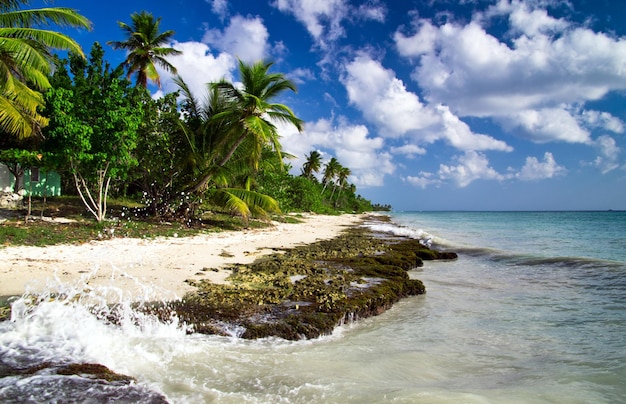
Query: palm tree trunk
{"x": 202, "y": 184}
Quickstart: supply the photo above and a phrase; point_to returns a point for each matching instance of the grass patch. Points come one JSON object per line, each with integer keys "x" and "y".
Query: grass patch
{"x": 126, "y": 219}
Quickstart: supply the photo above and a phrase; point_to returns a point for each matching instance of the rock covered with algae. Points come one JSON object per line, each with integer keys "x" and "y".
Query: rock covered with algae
{"x": 307, "y": 291}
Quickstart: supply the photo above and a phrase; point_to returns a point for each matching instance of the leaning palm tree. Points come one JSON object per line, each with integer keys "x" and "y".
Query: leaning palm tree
{"x": 145, "y": 47}
{"x": 249, "y": 117}
{"x": 312, "y": 165}
{"x": 342, "y": 179}
{"x": 331, "y": 169}
{"x": 229, "y": 182}
{"x": 26, "y": 59}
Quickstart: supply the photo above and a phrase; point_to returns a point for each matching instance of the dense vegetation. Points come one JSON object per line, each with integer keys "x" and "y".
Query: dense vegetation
{"x": 175, "y": 155}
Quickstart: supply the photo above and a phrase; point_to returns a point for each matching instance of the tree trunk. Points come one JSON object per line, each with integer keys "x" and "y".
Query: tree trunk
{"x": 202, "y": 184}
{"x": 18, "y": 172}
{"x": 98, "y": 208}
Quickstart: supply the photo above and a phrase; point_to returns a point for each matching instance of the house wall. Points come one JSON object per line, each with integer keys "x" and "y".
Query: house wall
{"x": 6, "y": 179}
{"x": 49, "y": 182}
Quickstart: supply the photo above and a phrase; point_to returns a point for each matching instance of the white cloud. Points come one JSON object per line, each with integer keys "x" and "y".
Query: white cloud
{"x": 525, "y": 20}
{"x": 471, "y": 166}
{"x": 423, "y": 42}
{"x": 423, "y": 180}
{"x": 323, "y": 19}
{"x": 245, "y": 38}
{"x": 408, "y": 150}
{"x": 351, "y": 144}
{"x": 539, "y": 170}
{"x": 197, "y": 66}
{"x": 384, "y": 100}
{"x": 219, "y": 7}
{"x": 300, "y": 75}
{"x": 603, "y": 120}
{"x": 468, "y": 167}
{"x": 608, "y": 160}
{"x": 373, "y": 12}
{"x": 547, "y": 66}
{"x": 459, "y": 134}
{"x": 546, "y": 125}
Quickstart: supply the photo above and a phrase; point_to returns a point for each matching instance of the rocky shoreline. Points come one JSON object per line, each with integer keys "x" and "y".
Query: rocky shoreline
{"x": 302, "y": 292}
{"x": 307, "y": 291}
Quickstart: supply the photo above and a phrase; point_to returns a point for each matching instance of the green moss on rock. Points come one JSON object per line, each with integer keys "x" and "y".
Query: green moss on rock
{"x": 309, "y": 290}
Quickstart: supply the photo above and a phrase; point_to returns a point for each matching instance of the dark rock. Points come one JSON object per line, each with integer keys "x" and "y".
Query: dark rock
{"x": 358, "y": 274}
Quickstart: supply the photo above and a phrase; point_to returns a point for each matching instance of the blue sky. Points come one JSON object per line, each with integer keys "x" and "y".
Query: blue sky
{"x": 433, "y": 105}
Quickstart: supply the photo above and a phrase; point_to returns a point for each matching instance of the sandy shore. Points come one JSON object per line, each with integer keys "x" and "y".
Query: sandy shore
{"x": 148, "y": 269}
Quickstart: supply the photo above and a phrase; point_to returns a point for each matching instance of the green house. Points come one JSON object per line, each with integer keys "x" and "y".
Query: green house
{"x": 37, "y": 182}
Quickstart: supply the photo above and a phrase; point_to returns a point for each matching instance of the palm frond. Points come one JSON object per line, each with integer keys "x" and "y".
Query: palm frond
{"x": 62, "y": 16}
{"x": 245, "y": 202}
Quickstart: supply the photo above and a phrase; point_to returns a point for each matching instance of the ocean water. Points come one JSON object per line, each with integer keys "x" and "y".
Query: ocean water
{"x": 533, "y": 311}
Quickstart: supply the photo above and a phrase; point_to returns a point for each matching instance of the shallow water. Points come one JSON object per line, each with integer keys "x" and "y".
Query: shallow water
{"x": 528, "y": 313}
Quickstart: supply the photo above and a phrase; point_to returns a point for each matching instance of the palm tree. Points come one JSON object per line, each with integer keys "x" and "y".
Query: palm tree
{"x": 312, "y": 165}
{"x": 26, "y": 59}
{"x": 342, "y": 178}
{"x": 145, "y": 48}
{"x": 206, "y": 136}
{"x": 330, "y": 172}
{"x": 248, "y": 116}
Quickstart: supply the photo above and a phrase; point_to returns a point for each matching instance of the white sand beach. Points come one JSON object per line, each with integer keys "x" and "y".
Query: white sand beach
{"x": 145, "y": 269}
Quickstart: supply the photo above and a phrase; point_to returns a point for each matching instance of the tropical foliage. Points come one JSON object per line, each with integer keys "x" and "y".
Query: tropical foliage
{"x": 247, "y": 116}
{"x": 25, "y": 61}
{"x": 180, "y": 155}
{"x": 95, "y": 116}
{"x": 312, "y": 165}
{"x": 145, "y": 47}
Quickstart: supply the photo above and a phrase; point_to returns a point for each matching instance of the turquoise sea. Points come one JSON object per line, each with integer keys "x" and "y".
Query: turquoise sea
{"x": 533, "y": 311}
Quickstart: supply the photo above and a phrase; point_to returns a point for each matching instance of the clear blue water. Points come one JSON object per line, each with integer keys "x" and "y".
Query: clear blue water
{"x": 533, "y": 311}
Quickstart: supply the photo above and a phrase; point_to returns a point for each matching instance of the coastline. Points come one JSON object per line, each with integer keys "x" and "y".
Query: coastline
{"x": 148, "y": 269}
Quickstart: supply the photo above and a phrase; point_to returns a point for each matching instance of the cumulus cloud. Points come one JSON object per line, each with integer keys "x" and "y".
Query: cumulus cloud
{"x": 608, "y": 158}
{"x": 523, "y": 19}
{"x": 539, "y": 170}
{"x": 350, "y": 144}
{"x": 385, "y": 101}
{"x": 408, "y": 150}
{"x": 323, "y": 19}
{"x": 197, "y": 66}
{"x": 424, "y": 180}
{"x": 467, "y": 168}
{"x": 459, "y": 134}
{"x": 471, "y": 166}
{"x": 300, "y": 75}
{"x": 372, "y": 11}
{"x": 544, "y": 68}
{"x": 245, "y": 38}
{"x": 602, "y": 120}
{"x": 546, "y": 125}
{"x": 219, "y": 7}
{"x": 398, "y": 113}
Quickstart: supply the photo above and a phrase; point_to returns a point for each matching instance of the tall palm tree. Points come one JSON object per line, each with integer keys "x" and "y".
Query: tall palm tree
{"x": 313, "y": 164}
{"x": 26, "y": 59}
{"x": 248, "y": 117}
{"x": 145, "y": 48}
{"x": 342, "y": 178}
{"x": 205, "y": 135}
{"x": 331, "y": 169}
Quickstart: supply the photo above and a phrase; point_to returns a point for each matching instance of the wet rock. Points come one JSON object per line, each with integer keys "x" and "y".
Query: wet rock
{"x": 71, "y": 382}
{"x": 358, "y": 274}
